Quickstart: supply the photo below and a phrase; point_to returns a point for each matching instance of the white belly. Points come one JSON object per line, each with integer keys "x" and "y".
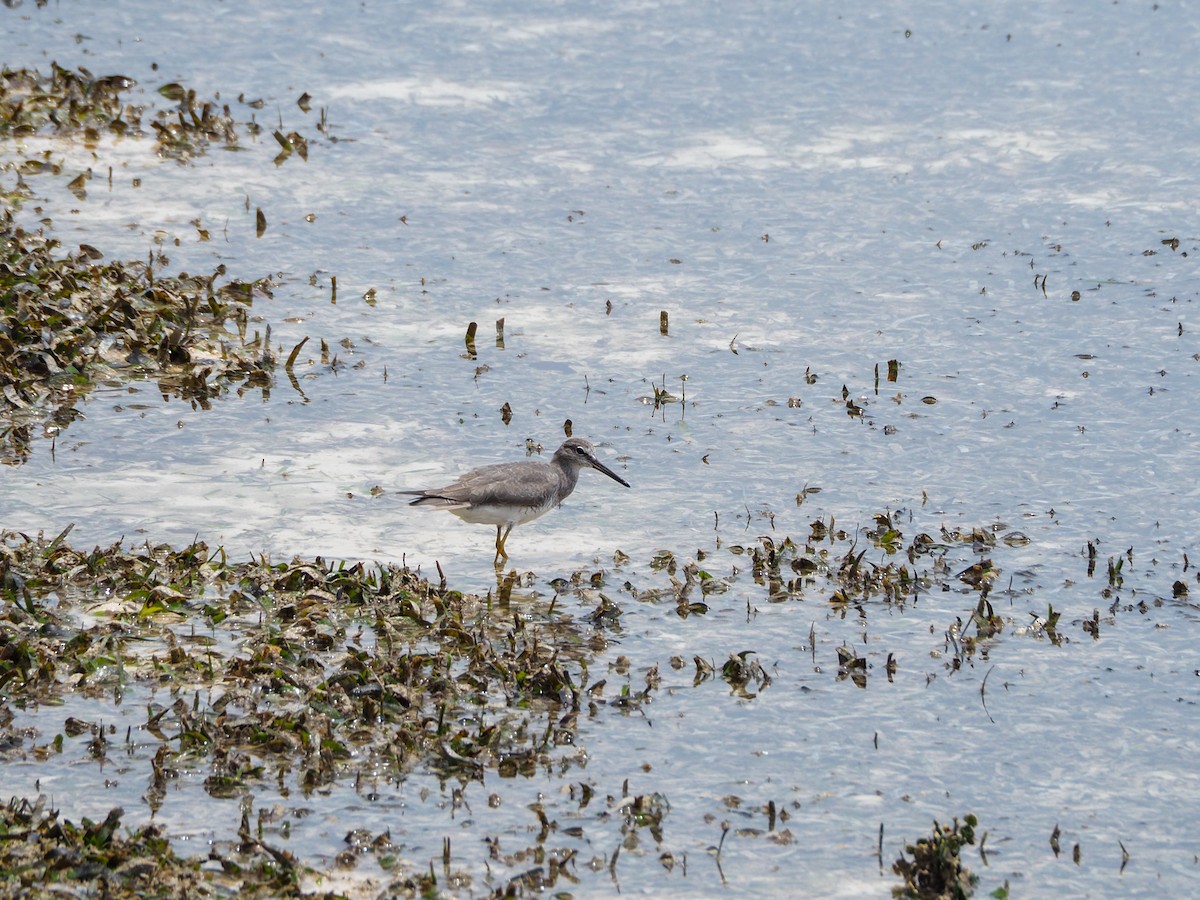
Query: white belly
{"x": 501, "y": 515}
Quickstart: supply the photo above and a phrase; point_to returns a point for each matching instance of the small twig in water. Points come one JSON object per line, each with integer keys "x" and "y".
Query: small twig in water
{"x": 983, "y": 697}
{"x": 720, "y": 844}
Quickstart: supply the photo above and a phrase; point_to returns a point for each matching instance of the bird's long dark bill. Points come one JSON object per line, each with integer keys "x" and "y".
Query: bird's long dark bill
{"x": 601, "y": 467}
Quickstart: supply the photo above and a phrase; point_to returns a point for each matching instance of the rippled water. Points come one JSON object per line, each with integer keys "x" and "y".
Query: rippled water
{"x": 805, "y": 193}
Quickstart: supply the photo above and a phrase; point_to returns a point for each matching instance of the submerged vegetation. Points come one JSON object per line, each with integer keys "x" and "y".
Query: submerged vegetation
{"x": 64, "y": 102}
{"x": 261, "y": 678}
{"x": 298, "y": 674}
{"x": 77, "y": 103}
{"x": 935, "y": 871}
{"x": 44, "y": 855}
{"x": 69, "y": 321}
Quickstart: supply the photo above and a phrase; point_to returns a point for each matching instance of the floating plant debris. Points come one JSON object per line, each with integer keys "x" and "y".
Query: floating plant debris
{"x": 57, "y": 857}
{"x": 472, "y": 328}
{"x": 68, "y": 102}
{"x": 935, "y": 870}
{"x": 286, "y": 613}
{"x": 69, "y": 322}
{"x": 292, "y": 142}
{"x": 64, "y": 101}
{"x": 442, "y": 682}
{"x": 332, "y": 673}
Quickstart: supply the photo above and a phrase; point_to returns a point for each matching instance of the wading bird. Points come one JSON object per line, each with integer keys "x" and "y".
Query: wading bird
{"x": 509, "y": 494}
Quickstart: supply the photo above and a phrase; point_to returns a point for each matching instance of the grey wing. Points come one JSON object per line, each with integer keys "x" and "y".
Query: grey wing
{"x": 513, "y": 484}
{"x": 505, "y": 484}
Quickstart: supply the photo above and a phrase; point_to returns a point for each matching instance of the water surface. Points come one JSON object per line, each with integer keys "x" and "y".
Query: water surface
{"x": 808, "y": 195}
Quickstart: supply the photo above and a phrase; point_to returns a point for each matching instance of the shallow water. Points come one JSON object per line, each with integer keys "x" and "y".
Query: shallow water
{"x": 804, "y": 193}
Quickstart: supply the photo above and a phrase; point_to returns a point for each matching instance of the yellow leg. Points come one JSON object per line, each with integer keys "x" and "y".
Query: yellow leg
{"x": 501, "y": 555}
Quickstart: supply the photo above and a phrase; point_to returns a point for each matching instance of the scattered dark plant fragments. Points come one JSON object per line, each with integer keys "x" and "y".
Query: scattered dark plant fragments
{"x": 851, "y": 577}
{"x": 76, "y": 102}
{"x": 64, "y": 102}
{"x": 935, "y": 870}
{"x": 68, "y": 323}
{"x": 642, "y": 811}
{"x": 338, "y": 671}
{"x": 43, "y": 855}
{"x": 188, "y": 130}
{"x": 357, "y": 672}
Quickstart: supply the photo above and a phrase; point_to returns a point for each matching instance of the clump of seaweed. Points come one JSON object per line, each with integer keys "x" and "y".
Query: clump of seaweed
{"x": 70, "y": 321}
{"x": 76, "y": 102}
{"x": 328, "y": 672}
{"x": 195, "y": 123}
{"x": 64, "y": 101}
{"x": 42, "y": 854}
{"x": 935, "y": 870}
{"x": 393, "y": 672}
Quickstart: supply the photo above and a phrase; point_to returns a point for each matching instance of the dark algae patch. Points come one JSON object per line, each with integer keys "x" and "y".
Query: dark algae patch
{"x": 70, "y": 322}
{"x": 64, "y": 102}
{"x": 69, "y": 319}
{"x": 256, "y": 679}
{"x": 76, "y": 103}
{"x": 43, "y": 854}
{"x": 934, "y": 871}
{"x": 265, "y": 675}
{"x": 316, "y": 658}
